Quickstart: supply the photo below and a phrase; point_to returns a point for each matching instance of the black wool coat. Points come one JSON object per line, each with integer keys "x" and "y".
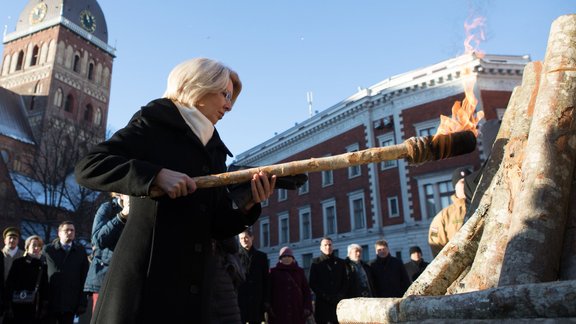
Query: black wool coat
{"x": 389, "y": 277}
{"x": 253, "y": 292}
{"x": 329, "y": 281}
{"x": 66, "y": 275}
{"x": 158, "y": 271}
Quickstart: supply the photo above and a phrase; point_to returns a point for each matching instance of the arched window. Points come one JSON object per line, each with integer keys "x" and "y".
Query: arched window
{"x": 98, "y": 117}
{"x": 58, "y": 98}
{"x": 88, "y": 113}
{"x": 20, "y": 61}
{"x": 76, "y": 66}
{"x": 91, "y": 71}
{"x": 69, "y": 104}
{"x": 35, "y": 52}
{"x": 38, "y": 87}
{"x": 6, "y": 64}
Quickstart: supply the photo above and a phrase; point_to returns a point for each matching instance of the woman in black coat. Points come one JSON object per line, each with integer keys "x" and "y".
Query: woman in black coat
{"x": 158, "y": 272}
{"x": 28, "y": 273}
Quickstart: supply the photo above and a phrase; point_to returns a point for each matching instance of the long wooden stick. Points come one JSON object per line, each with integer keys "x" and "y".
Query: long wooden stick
{"x": 414, "y": 149}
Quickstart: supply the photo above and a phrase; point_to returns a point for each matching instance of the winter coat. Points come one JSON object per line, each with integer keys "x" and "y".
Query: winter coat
{"x": 253, "y": 293}
{"x": 290, "y": 295}
{"x": 355, "y": 288}
{"x": 66, "y": 276}
{"x": 106, "y": 230}
{"x": 328, "y": 280}
{"x": 159, "y": 270}
{"x": 446, "y": 224}
{"x": 414, "y": 269}
{"x": 389, "y": 277}
{"x": 25, "y": 274}
{"x": 228, "y": 274}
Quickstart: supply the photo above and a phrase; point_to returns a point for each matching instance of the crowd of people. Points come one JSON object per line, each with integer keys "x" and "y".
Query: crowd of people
{"x": 187, "y": 254}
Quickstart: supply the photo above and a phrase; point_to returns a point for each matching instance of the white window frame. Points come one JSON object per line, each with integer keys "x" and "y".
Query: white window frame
{"x": 355, "y": 170}
{"x": 282, "y": 194}
{"x": 331, "y": 203}
{"x": 327, "y": 177}
{"x": 430, "y": 126}
{"x": 389, "y": 140}
{"x": 264, "y": 223}
{"x": 433, "y": 180}
{"x": 264, "y": 203}
{"x": 352, "y": 197}
{"x": 305, "y": 188}
{"x": 301, "y": 213}
{"x": 281, "y": 218}
{"x": 393, "y": 201}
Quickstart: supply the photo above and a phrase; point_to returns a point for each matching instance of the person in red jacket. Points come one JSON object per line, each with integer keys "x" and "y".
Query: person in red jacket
{"x": 290, "y": 295}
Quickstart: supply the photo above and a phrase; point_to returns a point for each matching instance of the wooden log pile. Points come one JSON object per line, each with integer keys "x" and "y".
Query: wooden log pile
{"x": 515, "y": 257}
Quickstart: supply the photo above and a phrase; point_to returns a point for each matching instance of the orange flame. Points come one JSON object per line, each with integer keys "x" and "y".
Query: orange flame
{"x": 463, "y": 117}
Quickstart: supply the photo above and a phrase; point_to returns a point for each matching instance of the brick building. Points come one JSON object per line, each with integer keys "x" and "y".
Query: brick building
{"x": 55, "y": 75}
{"x": 390, "y": 200}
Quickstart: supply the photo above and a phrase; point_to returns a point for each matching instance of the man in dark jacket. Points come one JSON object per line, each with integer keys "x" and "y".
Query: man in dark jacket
{"x": 358, "y": 271}
{"x": 390, "y": 277}
{"x": 416, "y": 265}
{"x": 328, "y": 281}
{"x": 253, "y": 293}
{"x": 67, "y": 266}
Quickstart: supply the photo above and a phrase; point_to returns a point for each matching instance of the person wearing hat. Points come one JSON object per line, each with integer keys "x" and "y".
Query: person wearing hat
{"x": 416, "y": 265}
{"x": 11, "y": 250}
{"x": 290, "y": 296}
{"x": 451, "y": 218}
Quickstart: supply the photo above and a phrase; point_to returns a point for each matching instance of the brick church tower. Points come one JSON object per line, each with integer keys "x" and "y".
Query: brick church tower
{"x": 55, "y": 77}
{"x": 59, "y": 61}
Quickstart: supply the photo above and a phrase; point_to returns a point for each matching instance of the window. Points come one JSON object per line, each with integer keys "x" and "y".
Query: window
{"x": 355, "y": 170}
{"x": 327, "y": 178}
{"x": 20, "y": 61}
{"x": 283, "y": 230}
{"x": 365, "y": 253}
{"x": 264, "y": 203}
{"x": 58, "y": 98}
{"x": 76, "y": 66}
{"x": 34, "y": 59}
{"x": 434, "y": 194}
{"x": 427, "y": 128}
{"x": 305, "y": 224}
{"x": 69, "y": 104}
{"x": 282, "y": 194}
{"x": 98, "y": 117}
{"x": 91, "y": 71}
{"x": 357, "y": 210}
{"x": 393, "y": 209}
{"x": 264, "y": 233}
{"x": 329, "y": 215}
{"x": 38, "y": 87}
{"x": 88, "y": 113}
{"x": 304, "y": 188}
{"x": 387, "y": 140}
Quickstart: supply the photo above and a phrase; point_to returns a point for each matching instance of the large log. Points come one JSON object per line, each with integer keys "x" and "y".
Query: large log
{"x": 495, "y": 235}
{"x": 568, "y": 259}
{"x": 459, "y": 254}
{"x": 540, "y": 213}
{"x": 519, "y": 301}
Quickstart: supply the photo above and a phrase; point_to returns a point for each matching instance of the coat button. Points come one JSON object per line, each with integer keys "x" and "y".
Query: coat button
{"x": 194, "y": 290}
{"x": 198, "y": 247}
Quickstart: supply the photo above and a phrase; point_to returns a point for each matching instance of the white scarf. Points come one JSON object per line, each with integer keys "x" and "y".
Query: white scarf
{"x": 198, "y": 123}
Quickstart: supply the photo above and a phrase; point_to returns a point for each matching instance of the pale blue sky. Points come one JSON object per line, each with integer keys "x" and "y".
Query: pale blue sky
{"x": 282, "y": 49}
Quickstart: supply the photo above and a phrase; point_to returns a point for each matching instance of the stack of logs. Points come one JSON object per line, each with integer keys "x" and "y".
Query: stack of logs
{"x": 514, "y": 260}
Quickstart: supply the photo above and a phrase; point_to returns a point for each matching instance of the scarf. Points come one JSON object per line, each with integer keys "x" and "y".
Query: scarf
{"x": 198, "y": 123}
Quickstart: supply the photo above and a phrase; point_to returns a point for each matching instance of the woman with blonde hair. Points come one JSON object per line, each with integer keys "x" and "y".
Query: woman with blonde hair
{"x": 159, "y": 272}
{"x": 27, "y": 285}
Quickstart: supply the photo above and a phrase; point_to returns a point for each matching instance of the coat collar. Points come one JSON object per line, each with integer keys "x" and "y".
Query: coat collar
{"x": 164, "y": 111}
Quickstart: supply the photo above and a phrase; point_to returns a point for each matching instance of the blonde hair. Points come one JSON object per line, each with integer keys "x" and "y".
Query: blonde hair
{"x": 29, "y": 241}
{"x": 191, "y": 80}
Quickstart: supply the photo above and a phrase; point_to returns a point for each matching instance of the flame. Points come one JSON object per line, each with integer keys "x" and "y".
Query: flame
{"x": 463, "y": 113}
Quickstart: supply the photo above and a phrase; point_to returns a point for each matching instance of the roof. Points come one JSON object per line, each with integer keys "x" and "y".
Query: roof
{"x": 84, "y": 17}
{"x": 13, "y": 120}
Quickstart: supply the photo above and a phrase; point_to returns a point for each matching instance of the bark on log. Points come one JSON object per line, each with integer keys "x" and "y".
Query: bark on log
{"x": 495, "y": 235}
{"x": 568, "y": 259}
{"x": 540, "y": 213}
{"x": 520, "y": 301}
{"x": 448, "y": 265}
